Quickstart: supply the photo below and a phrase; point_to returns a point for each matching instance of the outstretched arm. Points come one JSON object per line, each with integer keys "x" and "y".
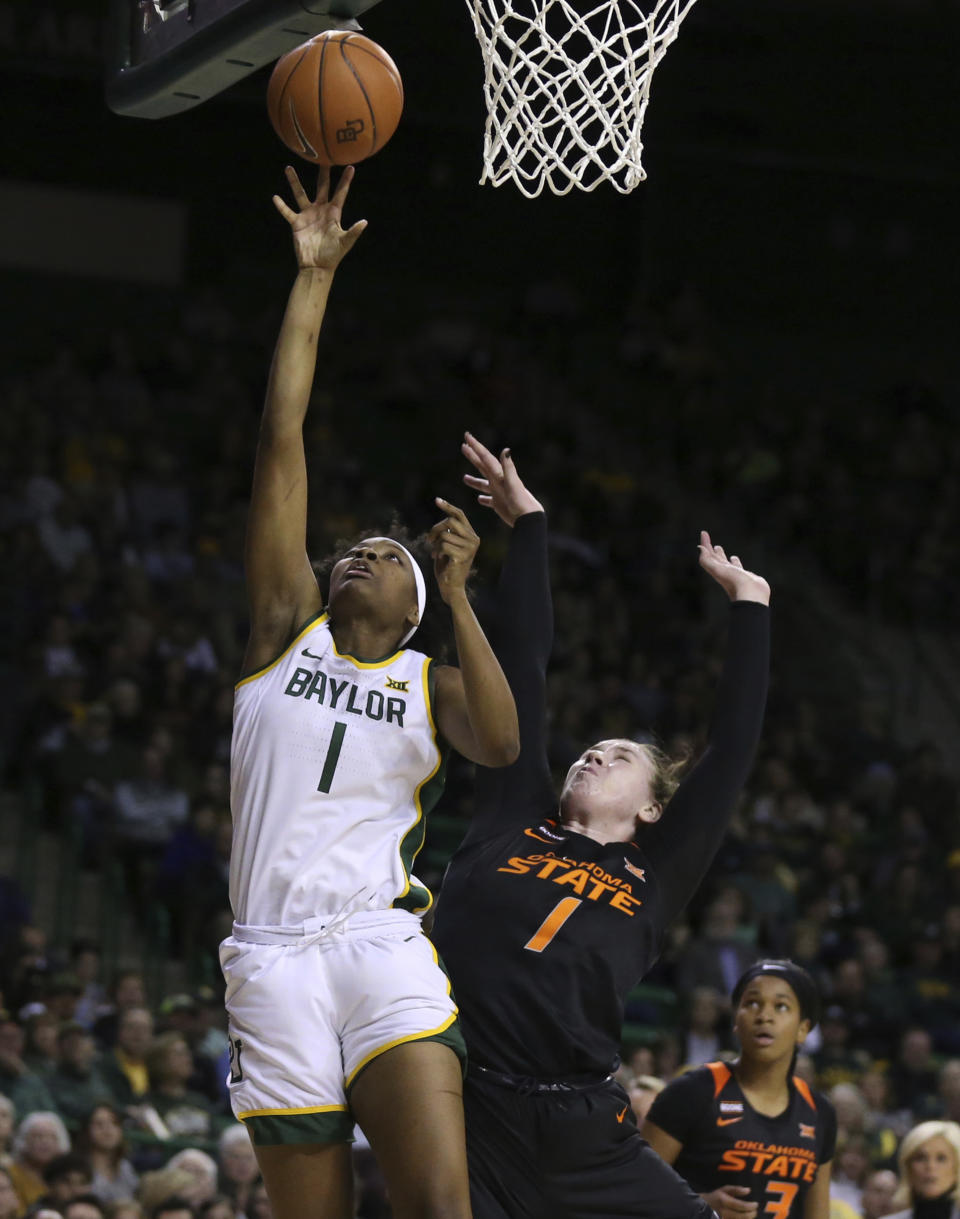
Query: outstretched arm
{"x": 522, "y": 635}
{"x": 475, "y": 709}
{"x": 683, "y": 843}
{"x": 281, "y": 588}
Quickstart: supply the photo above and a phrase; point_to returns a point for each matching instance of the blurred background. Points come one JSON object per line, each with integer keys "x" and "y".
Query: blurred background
{"x": 760, "y": 340}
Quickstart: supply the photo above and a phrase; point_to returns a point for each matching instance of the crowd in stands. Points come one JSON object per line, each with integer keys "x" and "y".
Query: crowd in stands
{"x": 125, "y": 467}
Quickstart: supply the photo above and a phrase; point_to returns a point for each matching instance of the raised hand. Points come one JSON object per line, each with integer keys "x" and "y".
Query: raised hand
{"x": 453, "y": 544}
{"x": 498, "y": 486}
{"x": 738, "y": 583}
{"x": 319, "y": 242}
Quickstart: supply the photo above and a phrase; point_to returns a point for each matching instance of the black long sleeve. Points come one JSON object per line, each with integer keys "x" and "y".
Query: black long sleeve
{"x": 683, "y": 843}
{"x": 522, "y": 637}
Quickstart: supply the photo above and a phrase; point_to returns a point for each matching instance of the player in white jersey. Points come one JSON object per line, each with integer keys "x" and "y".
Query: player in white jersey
{"x": 338, "y": 1006}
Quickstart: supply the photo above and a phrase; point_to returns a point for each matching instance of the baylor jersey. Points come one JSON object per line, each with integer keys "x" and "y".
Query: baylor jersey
{"x": 727, "y": 1142}
{"x": 335, "y": 763}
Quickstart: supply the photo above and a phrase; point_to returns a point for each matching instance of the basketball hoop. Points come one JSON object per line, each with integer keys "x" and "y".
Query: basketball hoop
{"x": 567, "y": 90}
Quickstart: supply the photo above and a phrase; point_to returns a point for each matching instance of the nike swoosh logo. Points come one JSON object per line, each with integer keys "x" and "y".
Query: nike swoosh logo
{"x": 531, "y": 834}
{"x": 728, "y": 1121}
{"x": 623, "y": 1113}
{"x": 312, "y": 655}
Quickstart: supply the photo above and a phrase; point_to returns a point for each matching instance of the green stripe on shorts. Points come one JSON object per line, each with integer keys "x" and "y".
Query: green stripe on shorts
{"x": 333, "y": 1126}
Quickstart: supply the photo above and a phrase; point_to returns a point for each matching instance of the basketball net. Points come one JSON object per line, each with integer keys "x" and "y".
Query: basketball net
{"x": 567, "y": 91}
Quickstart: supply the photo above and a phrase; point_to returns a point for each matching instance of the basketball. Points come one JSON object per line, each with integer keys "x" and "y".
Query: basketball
{"x": 336, "y": 99}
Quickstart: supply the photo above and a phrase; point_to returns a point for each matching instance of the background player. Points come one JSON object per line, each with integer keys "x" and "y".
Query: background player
{"x": 752, "y": 1137}
{"x": 337, "y": 1005}
{"x": 547, "y": 918}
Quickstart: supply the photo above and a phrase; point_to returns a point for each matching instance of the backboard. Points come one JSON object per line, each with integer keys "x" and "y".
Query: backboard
{"x": 170, "y": 55}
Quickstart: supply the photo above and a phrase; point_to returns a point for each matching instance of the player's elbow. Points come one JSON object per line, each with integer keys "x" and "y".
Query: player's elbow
{"x": 504, "y": 751}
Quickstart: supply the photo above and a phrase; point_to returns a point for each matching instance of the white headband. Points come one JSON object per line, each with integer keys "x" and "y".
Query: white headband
{"x": 418, "y": 581}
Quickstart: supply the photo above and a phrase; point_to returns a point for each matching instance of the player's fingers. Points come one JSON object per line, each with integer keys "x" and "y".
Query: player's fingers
{"x": 719, "y": 552}
{"x": 323, "y": 184}
{"x": 286, "y": 212}
{"x": 352, "y": 235}
{"x": 485, "y": 500}
{"x": 486, "y": 459}
{"x": 482, "y": 462}
{"x": 472, "y": 456}
{"x": 736, "y": 561}
{"x": 343, "y": 186}
{"x": 739, "y": 1206}
{"x": 457, "y": 515}
{"x": 296, "y": 186}
{"x": 478, "y": 484}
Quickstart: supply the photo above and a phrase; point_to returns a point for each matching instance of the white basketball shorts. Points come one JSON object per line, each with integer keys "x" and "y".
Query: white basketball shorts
{"x": 311, "y": 1007}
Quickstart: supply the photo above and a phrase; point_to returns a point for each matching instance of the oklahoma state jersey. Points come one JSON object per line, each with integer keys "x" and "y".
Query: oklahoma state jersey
{"x": 544, "y": 931}
{"x": 335, "y": 763}
{"x": 726, "y": 1142}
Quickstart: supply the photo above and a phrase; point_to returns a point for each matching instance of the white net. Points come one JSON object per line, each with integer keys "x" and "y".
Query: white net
{"x": 567, "y": 89}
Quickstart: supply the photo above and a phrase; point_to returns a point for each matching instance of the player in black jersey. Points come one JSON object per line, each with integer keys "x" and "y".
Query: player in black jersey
{"x": 750, "y": 1136}
{"x": 549, "y": 916}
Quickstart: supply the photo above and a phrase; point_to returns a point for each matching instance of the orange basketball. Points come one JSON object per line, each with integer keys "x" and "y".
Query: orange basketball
{"x": 336, "y": 99}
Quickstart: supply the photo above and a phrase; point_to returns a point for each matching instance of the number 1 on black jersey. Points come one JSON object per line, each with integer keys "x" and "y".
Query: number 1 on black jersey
{"x": 552, "y": 924}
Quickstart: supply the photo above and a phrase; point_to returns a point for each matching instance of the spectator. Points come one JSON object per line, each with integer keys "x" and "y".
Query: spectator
{"x": 9, "y": 1199}
{"x": 933, "y": 1000}
{"x": 40, "y": 1138}
{"x": 836, "y": 1062}
{"x": 186, "y": 1114}
{"x": 86, "y": 770}
{"x": 929, "y": 1161}
{"x": 26, "y": 1090}
{"x": 202, "y": 1170}
{"x": 876, "y": 1200}
{"x": 124, "y": 1068}
{"x": 102, "y": 1141}
{"x": 238, "y": 1166}
{"x": 174, "y": 1207}
{"x": 7, "y": 1121}
{"x": 718, "y": 956}
{"x": 61, "y": 996}
{"x": 642, "y": 1089}
{"x": 948, "y": 1091}
{"x": 66, "y": 1176}
{"x": 63, "y": 537}
{"x": 84, "y": 1206}
{"x": 75, "y": 1084}
{"x": 259, "y": 1207}
{"x": 158, "y": 1188}
{"x": 124, "y": 1210}
{"x": 148, "y": 808}
{"x": 85, "y": 964}
{"x": 852, "y": 1109}
{"x": 217, "y": 1207}
{"x": 181, "y": 1014}
{"x": 128, "y": 992}
{"x": 913, "y": 1076}
{"x": 850, "y": 1168}
{"x": 702, "y": 1041}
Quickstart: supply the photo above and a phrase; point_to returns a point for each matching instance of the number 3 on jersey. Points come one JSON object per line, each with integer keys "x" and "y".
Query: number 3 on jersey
{"x": 787, "y": 1193}
{"x": 552, "y": 924}
{"x": 333, "y": 756}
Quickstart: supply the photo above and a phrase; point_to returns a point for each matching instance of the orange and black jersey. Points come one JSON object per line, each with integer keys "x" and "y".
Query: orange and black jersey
{"x": 544, "y": 931}
{"x": 726, "y": 1142}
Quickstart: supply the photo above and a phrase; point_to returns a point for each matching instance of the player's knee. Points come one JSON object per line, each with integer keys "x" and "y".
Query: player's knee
{"x": 437, "y": 1201}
